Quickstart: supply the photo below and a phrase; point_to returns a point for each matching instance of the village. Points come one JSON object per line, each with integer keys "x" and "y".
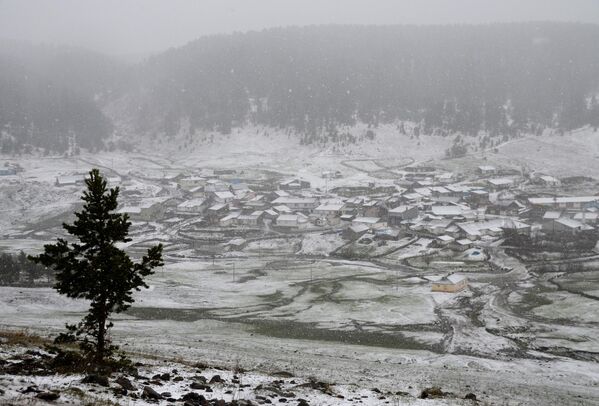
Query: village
{"x": 489, "y": 263}
{"x": 459, "y": 216}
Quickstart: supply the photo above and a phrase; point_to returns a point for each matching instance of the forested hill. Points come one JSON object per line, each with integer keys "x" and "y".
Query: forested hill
{"x": 50, "y": 97}
{"x": 500, "y": 78}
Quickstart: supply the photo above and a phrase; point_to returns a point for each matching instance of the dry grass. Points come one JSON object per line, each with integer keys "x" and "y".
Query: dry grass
{"x": 22, "y": 337}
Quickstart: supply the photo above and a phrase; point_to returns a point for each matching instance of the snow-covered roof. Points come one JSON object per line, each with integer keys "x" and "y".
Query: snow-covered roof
{"x": 224, "y": 195}
{"x": 330, "y": 207}
{"x": 401, "y": 209}
{"x": 552, "y": 215}
{"x": 191, "y": 203}
{"x": 501, "y": 181}
{"x": 367, "y": 220}
{"x": 571, "y": 223}
{"x": 565, "y": 199}
{"x": 447, "y": 210}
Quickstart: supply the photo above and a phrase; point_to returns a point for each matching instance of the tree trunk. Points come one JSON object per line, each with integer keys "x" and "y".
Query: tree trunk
{"x": 101, "y": 344}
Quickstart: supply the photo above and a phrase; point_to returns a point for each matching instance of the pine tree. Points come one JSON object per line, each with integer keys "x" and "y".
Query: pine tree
{"x": 93, "y": 268}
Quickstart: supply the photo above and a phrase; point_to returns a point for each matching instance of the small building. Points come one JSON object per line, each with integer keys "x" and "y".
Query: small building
{"x": 501, "y": 183}
{"x": 355, "y": 231}
{"x": 294, "y": 184}
{"x": 451, "y": 283}
{"x": 575, "y": 203}
{"x": 486, "y": 170}
{"x": 193, "y": 206}
{"x": 401, "y": 213}
{"x": 306, "y": 204}
{"x": 569, "y": 226}
{"x": 223, "y": 197}
{"x": 505, "y": 208}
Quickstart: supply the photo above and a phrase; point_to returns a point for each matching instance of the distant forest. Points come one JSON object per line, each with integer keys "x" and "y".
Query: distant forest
{"x": 499, "y": 78}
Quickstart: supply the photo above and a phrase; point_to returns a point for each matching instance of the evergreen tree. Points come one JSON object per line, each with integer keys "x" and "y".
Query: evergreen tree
{"x": 9, "y": 271}
{"x": 93, "y": 268}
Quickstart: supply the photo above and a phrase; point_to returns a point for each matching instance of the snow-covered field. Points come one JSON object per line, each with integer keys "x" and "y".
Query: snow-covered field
{"x": 286, "y": 303}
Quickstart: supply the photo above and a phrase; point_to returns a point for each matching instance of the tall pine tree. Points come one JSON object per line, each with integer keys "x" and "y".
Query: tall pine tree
{"x": 94, "y": 268}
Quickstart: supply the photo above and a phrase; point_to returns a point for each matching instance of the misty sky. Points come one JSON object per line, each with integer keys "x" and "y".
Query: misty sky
{"x": 121, "y": 27}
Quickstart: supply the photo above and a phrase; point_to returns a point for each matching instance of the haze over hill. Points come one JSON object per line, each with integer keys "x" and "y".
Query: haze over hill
{"x": 502, "y": 79}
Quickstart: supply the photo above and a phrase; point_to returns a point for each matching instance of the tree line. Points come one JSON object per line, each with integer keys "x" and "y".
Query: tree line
{"x": 19, "y": 270}
{"x": 502, "y": 79}
{"x": 498, "y": 78}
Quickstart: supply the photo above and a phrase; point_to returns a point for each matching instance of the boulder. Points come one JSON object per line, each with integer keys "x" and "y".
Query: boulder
{"x": 125, "y": 383}
{"x": 150, "y": 393}
{"x": 96, "y": 379}
{"x": 216, "y": 379}
{"x": 48, "y": 396}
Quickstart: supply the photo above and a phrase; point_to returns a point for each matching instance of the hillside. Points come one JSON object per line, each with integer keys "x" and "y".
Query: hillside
{"x": 50, "y": 97}
{"x": 500, "y": 78}
{"x": 312, "y": 82}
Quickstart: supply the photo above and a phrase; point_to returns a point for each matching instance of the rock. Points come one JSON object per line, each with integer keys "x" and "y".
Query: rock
{"x": 200, "y": 378}
{"x": 199, "y": 386}
{"x": 434, "y": 392}
{"x": 96, "y": 379}
{"x": 282, "y": 400}
{"x": 470, "y": 396}
{"x": 178, "y": 379}
{"x": 283, "y": 374}
{"x": 150, "y": 393}
{"x": 194, "y": 399}
{"x": 125, "y": 383}
{"x": 48, "y": 396}
{"x": 166, "y": 395}
{"x": 216, "y": 379}
{"x": 303, "y": 402}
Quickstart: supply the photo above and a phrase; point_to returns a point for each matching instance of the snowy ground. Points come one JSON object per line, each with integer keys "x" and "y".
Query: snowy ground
{"x": 288, "y": 304}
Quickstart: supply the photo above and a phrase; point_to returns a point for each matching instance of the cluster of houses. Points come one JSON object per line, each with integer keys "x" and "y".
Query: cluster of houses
{"x": 425, "y": 201}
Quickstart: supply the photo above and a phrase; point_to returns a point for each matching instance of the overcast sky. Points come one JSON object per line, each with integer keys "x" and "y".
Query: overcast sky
{"x": 144, "y": 26}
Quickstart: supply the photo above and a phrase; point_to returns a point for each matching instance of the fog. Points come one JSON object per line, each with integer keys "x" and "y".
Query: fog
{"x": 138, "y": 27}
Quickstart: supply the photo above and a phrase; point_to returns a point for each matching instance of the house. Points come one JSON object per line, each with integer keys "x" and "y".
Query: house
{"x": 223, "y": 197}
{"x": 329, "y": 210}
{"x": 486, "y": 170}
{"x": 371, "y": 222}
{"x": 194, "y": 206}
{"x": 494, "y": 228}
{"x": 546, "y": 180}
{"x": 505, "y": 208}
{"x": 587, "y": 217}
{"x": 451, "y": 283}
{"x": 568, "y": 226}
{"x": 216, "y": 211}
{"x": 70, "y": 180}
{"x": 355, "y": 231}
{"x": 294, "y": 184}
{"x": 147, "y": 210}
{"x": 292, "y": 220}
{"x": 251, "y": 220}
{"x": 577, "y": 203}
{"x": 445, "y": 240}
{"x": 478, "y": 197}
{"x": 401, "y": 213}
{"x": 7, "y": 171}
{"x": 501, "y": 183}
{"x": 229, "y": 219}
{"x": 448, "y": 211}
{"x": 306, "y": 204}
{"x": 276, "y": 194}
{"x": 191, "y": 182}
{"x": 372, "y": 208}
